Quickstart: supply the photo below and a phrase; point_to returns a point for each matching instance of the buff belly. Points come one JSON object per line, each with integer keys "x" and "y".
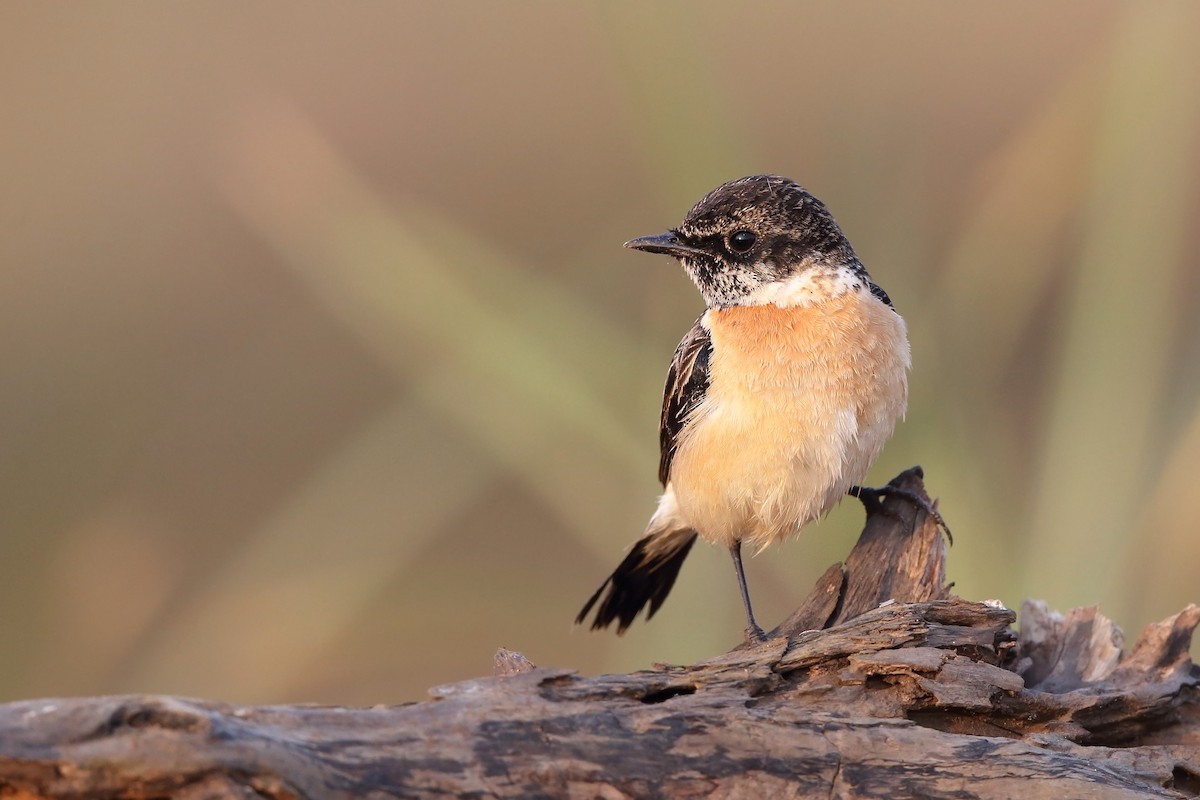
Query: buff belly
{"x": 800, "y": 401}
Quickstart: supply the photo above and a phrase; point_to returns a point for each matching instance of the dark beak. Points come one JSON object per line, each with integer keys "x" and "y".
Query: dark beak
{"x": 668, "y": 243}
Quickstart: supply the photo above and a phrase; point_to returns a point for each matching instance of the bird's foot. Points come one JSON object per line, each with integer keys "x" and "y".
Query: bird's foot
{"x": 754, "y": 634}
{"x": 870, "y": 498}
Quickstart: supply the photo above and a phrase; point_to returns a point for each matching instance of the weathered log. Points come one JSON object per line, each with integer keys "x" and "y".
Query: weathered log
{"x": 905, "y": 691}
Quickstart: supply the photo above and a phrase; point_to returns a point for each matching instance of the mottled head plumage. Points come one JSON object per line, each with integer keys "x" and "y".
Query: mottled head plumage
{"x": 753, "y": 232}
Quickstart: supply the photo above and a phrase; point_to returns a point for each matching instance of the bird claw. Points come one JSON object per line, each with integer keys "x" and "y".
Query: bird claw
{"x": 870, "y": 498}
{"x": 755, "y": 634}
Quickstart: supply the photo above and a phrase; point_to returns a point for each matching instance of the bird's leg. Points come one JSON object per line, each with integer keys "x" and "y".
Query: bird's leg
{"x": 754, "y": 634}
{"x": 870, "y": 499}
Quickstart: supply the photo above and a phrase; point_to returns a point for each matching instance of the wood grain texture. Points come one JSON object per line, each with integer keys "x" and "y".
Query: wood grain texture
{"x": 924, "y": 696}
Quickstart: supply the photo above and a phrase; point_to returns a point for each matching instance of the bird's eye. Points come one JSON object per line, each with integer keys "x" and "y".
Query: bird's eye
{"x": 742, "y": 241}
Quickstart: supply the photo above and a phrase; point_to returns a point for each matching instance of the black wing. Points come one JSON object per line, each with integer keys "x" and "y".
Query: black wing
{"x": 648, "y": 572}
{"x": 880, "y": 294}
{"x": 687, "y": 383}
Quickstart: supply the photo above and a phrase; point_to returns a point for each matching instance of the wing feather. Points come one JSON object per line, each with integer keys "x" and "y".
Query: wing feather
{"x": 687, "y": 383}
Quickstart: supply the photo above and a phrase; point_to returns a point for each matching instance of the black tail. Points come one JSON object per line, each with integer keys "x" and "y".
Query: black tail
{"x": 645, "y": 576}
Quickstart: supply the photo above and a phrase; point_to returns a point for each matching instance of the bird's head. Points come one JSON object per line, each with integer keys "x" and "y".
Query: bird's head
{"x": 756, "y": 239}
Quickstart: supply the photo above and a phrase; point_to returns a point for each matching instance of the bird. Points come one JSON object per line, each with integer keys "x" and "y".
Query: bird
{"x": 777, "y": 400}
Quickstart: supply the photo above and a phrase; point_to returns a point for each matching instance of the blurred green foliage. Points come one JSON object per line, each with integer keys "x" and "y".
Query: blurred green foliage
{"x": 325, "y": 374}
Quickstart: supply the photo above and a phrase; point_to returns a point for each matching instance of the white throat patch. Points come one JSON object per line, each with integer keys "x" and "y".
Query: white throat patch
{"x": 812, "y": 284}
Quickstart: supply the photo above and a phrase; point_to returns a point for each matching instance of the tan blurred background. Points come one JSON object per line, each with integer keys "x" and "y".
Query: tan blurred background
{"x": 325, "y": 374}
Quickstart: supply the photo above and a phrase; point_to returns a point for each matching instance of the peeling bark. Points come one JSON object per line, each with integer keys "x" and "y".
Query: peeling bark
{"x": 904, "y": 691}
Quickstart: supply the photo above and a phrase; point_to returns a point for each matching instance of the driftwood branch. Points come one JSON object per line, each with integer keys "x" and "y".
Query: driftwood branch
{"x": 880, "y": 685}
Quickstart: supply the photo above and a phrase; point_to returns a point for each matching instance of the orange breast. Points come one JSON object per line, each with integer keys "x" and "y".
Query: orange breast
{"x": 801, "y": 399}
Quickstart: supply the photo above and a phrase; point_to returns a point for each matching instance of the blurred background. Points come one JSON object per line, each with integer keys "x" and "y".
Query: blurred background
{"x": 325, "y": 374}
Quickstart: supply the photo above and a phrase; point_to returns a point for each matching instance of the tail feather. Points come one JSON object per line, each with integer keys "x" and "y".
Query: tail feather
{"x": 645, "y": 576}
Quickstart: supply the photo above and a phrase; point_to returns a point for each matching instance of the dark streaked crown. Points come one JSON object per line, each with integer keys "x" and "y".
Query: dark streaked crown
{"x": 751, "y": 232}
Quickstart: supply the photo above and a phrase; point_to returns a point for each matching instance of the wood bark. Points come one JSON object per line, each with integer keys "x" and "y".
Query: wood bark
{"x": 882, "y": 684}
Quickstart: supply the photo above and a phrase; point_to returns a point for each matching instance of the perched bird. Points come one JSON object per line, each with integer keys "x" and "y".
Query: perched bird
{"x": 778, "y": 399}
